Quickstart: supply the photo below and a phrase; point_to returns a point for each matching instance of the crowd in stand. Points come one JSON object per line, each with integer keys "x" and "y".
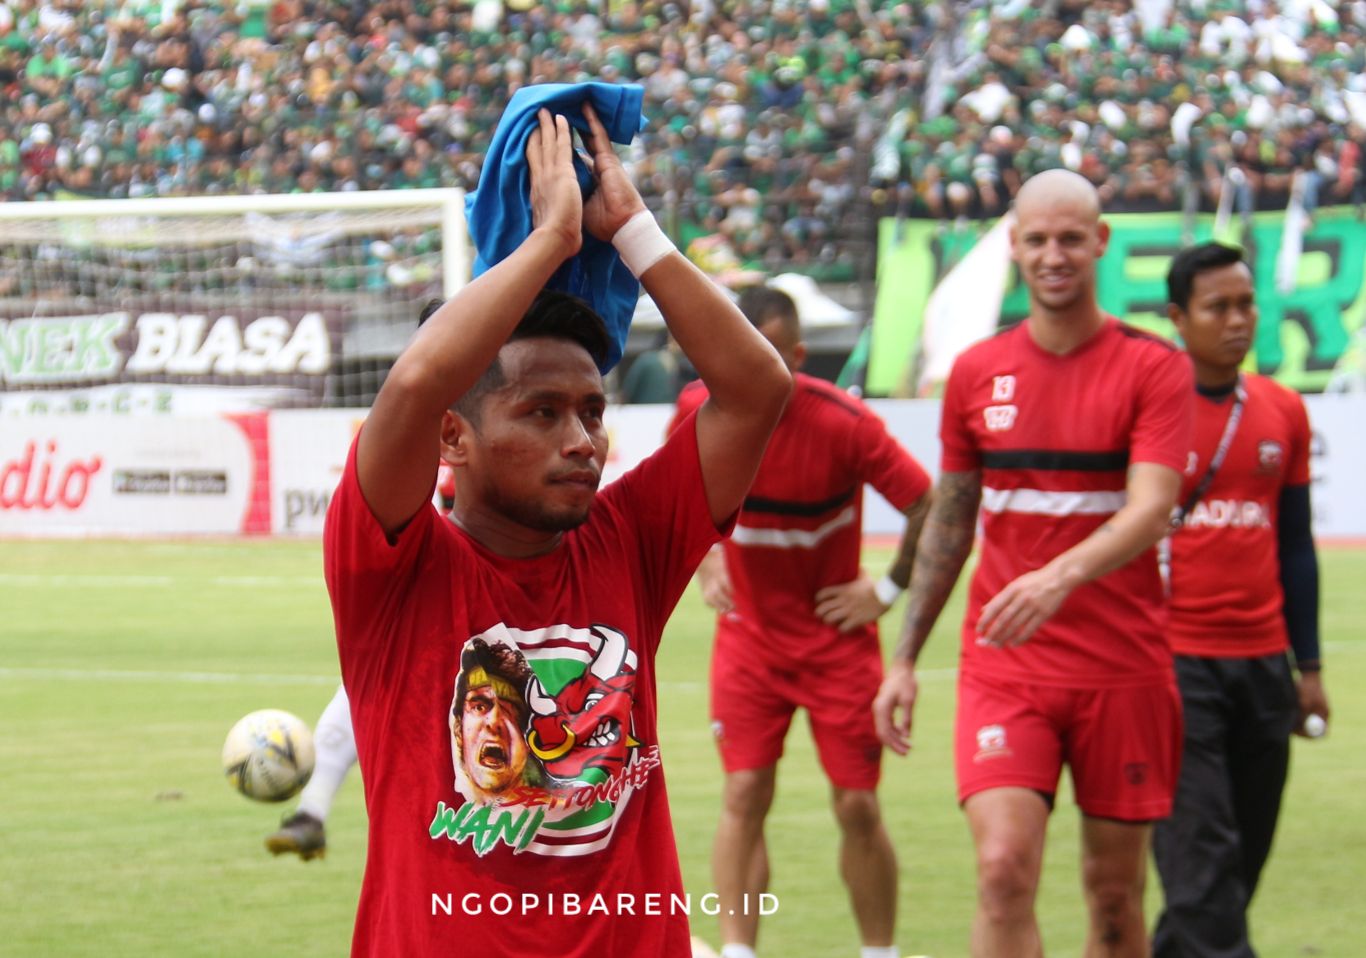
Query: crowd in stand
{"x": 1154, "y": 102}
{"x": 759, "y": 111}
{"x": 776, "y": 126}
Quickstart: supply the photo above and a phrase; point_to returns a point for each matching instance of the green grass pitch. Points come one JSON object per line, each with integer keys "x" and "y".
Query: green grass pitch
{"x": 122, "y": 666}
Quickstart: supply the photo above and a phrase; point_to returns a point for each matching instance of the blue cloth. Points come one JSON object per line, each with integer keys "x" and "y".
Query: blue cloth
{"x": 499, "y": 210}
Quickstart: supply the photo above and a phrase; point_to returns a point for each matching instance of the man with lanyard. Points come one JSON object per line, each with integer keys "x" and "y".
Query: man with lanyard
{"x": 1243, "y": 580}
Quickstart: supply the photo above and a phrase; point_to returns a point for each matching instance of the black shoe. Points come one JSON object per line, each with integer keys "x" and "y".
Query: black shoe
{"x": 301, "y": 834}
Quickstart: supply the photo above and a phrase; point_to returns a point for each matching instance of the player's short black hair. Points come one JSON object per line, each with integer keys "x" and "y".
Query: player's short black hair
{"x": 763, "y": 304}
{"x": 1190, "y": 263}
{"x": 552, "y": 315}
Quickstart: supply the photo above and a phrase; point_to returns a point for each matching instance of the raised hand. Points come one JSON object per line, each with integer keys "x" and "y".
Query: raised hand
{"x": 616, "y": 199}
{"x": 556, "y": 199}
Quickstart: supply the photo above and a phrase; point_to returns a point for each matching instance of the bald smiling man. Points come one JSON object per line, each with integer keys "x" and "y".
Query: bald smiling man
{"x": 1069, "y": 431}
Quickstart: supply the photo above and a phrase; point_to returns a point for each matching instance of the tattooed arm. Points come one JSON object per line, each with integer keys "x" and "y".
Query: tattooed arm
{"x": 1014, "y": 614}
{"x": 915, "y": 514}
{"x": 944, "y": 546}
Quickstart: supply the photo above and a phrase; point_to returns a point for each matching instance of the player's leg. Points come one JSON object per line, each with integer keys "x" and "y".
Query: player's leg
{"x": 1007, "y": 756}
{"x": 1114, "y": 866}
{"x": 335, "y": 744}
{"x": 1259, "y": 758}
{"x": 1197, "y": 847}
{"x": 1008, "y": 829}
{"x": 740, "y": 855}
{"x": 304, "y": 832}
{"x": 1124, "y": 749}
{"x": 751, "y": 710}
{"x": 867, "y": 864}
{"x": 838, "y": 697}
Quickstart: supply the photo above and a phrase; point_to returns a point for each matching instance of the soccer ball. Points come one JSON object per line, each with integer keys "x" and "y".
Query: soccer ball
{"x": 268, "y": 755}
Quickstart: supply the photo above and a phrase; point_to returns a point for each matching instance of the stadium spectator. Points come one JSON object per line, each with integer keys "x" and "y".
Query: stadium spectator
{"x": 1245, "y": 505}
{"x": 506, "y": 377}
{"x": 797, "y": 628}
{"x": 1070, "y": 430}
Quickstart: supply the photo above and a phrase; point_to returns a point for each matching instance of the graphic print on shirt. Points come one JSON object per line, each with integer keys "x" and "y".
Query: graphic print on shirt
{"x": 542, "y": 741}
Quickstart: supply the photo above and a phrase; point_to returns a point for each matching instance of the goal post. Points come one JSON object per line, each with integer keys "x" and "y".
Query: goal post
{"x": 218, "y": 303}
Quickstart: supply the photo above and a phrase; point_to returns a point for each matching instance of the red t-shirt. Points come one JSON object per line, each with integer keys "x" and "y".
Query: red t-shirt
{"x": 567, "y": 810}
{"x": 1053, "y": 437}
{"x": 1234, "y": 525}
{"x": 801, "y": 526}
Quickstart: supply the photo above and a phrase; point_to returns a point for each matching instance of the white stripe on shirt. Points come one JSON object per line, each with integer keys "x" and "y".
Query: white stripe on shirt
{"x": 1046, "y": 502}
{"x": 791, "y": 538}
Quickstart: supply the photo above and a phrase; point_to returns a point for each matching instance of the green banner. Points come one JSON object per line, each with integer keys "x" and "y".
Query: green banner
{"x": 1302, "y": 336}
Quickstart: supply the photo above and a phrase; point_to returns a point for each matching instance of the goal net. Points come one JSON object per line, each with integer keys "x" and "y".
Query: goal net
{"x": 218, "y": 304}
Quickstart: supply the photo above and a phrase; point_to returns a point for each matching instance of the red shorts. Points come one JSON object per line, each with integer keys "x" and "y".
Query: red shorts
{"x": 1123, "y": 745}
{"x": 752, "y": 704}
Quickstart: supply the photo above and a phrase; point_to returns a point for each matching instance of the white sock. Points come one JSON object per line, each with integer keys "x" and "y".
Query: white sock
{"x": 879, "y": 951}
{"x": 737, "y": 951}
{"x": 335, "y": 747}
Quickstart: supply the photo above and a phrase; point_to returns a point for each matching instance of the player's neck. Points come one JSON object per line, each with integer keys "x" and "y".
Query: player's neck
{"x": 502, "y": 536}
{"x": 1214, "y": 381}
{"x": 1061, "y": 331}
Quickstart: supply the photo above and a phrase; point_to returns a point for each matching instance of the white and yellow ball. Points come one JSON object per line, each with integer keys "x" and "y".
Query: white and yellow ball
{"x": 268, "y": 755}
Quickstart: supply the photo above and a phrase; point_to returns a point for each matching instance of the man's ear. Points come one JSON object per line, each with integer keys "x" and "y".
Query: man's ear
{"x": 798, "y": 356}
{"x": 1176, "y": 315}
{"x": 455, "y": 438}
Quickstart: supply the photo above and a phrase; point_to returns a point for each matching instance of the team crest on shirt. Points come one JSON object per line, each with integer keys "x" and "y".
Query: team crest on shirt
{"x": 991, "y": 743}
{"x": 543, "y": 748}
{"x": 1270, "y": 455}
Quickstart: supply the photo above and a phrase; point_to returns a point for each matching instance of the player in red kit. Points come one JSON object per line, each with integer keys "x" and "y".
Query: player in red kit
{"x": 1243, "y": 577}
{"x": 500, "y": 661}
{"x": 797, "y": 627}
{"x": 1069, "y": 431}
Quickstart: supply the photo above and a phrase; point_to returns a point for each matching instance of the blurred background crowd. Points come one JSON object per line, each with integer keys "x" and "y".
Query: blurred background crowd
{"x": 780, "y": 131}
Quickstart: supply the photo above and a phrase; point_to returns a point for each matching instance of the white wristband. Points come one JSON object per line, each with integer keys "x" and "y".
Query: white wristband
{"x": 641, "y": 243}
{"x": 887, "y": 591}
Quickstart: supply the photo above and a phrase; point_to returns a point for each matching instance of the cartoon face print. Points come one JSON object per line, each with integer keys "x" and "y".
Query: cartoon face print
{"x": 587, "y": 724}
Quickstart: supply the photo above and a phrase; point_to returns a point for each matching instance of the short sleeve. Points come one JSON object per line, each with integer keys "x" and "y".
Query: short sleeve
{"x": 885, "y": 465}
{"x": 664, "y": 501}
{"x": 367, "y": 572}
{"x": 1164, "y": 420}
{"x": 959, "y": 451}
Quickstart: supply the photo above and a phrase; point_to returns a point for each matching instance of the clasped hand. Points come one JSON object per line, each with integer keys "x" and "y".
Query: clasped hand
{"x": 557, "y": 202}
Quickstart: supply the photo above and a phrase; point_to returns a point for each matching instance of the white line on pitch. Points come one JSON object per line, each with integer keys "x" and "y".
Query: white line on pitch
{"x": 156, "y": 581}
{"x": 135, "y": 675}
{"x": 224, "y": 678}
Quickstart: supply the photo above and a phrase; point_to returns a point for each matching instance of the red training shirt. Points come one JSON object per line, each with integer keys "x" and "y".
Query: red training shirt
{"x": 1225, "y": 582}
{"x": 584, "y": 825}
{"x": 801, "y": 526}
{"x": 1053, "y": 437}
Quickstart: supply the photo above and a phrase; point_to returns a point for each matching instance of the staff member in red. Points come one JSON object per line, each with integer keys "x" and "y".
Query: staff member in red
{"x": 1244, "y": 588}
